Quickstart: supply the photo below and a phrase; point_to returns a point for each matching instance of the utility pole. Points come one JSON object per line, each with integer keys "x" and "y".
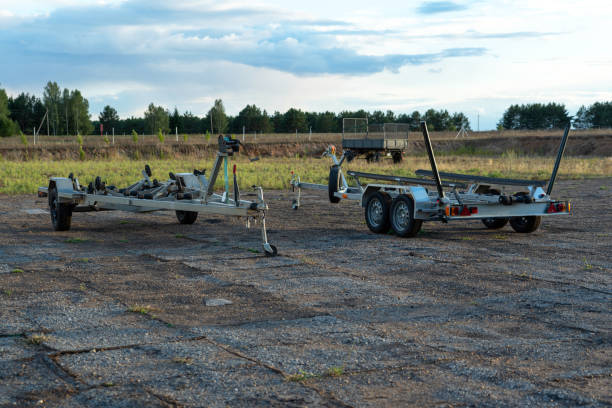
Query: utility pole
{"x": 478, "y": 121}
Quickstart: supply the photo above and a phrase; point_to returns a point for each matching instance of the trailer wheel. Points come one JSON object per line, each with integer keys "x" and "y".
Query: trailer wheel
{"x": 495, "y": 223}
{"x": 402, "y": 217}
{"x": 525, "y": 224}
{"x": 186, "y": 217}
{"x": 61, "y": 214}
{"x": 377, "y": 212}
{"x": 397, "y": 157}
{"x": 270, "y": 250}
{"x": 333, "y": 184}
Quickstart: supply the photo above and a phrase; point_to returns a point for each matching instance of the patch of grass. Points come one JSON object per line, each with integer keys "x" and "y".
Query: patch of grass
{"x": 183, "y": 360}
{"x": 8, "y": 292}
{"x": 603, "y": 187}
{"x": 335, "y": 371}
{"x": 254, "y": 251}
{"x": 467, "y": 238}
{"x": 125, "y": 241}
{"x": 587, "y": 265}
{"x": 301, "y": 376}
{"x": 17, "y": 270}
{"x": 85, "y": 260}
{"x": 108, "y": 384}
{"x": 24, "y": 177}
{"x": 180, "y": 236}
{"x": 124, "y": 222}
{"x": 145, "y": 310}
{"x": 82, "y": 287}
{"x": 75, "y": 240}
{"x": 500, "y": 236}
{"x": 37, "y": 339}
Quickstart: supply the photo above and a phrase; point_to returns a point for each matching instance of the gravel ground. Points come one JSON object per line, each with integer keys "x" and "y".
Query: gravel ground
{"x": 136, "y": 310}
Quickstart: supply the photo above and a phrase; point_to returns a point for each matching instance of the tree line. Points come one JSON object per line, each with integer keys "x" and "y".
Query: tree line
{"x": 67, "y": 112}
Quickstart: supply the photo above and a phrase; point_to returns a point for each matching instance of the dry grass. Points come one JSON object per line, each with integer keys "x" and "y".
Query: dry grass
{"x": 121, "y": 140}
{"x": 18, "y": 177}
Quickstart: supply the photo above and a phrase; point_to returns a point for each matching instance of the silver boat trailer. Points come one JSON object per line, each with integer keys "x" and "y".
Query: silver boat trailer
{"x": 403, "y": 203}
{"x": 186, "y": 193}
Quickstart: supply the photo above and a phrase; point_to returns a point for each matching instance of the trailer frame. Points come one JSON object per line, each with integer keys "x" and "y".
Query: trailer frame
{"x": 188, "y": 194}
{"x": 403, "y": 203}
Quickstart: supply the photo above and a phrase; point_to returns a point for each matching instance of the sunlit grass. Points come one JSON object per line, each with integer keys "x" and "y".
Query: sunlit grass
{"x": 24, "y": 177}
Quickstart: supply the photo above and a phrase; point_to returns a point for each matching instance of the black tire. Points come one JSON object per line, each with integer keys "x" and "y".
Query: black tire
{"x": 274, "y": 251}
{"x": 401, "y": 217}
{"x": 377, "y": 212}
{"x": 148, "y": 170}
{"x": 495, "y": 223}
{"x": 333, "y": 184}
{"x": 397, "y": 157}
{"x": 186, "y": 217}
{"x": 525, "y": 224}
{"x": 61, "y": 214}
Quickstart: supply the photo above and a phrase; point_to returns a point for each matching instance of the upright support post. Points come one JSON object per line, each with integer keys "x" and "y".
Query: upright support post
{"x": 551, "y": 182}
{"x": 176, "y": 132}
{"x": 113, "y": 136}
{"x": 226, "y": 179}
{"x": 432, "y": 158}
{"x": 243, "y": 129}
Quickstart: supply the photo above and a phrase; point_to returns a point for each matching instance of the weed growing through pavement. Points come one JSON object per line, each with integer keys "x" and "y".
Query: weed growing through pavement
{"x": 8, "y": 292}
{"x": 37, "y": 339}
{"x": 500, "y": 236}
{"x": 180, "y": 236}
{"x": 301, "y": 376}
{"x": 145, "y": 310}
{"x": 254, "y": 251}
{"x": 17, "y": 270}
{"x": 82, "y": 287}
{"x": 335, "y": 371}
{"x": 587, "y": 265}
{"x": 75, "y": 240}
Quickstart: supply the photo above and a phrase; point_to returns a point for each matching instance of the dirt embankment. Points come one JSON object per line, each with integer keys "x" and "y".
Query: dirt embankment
{"x": 583, "y": 145}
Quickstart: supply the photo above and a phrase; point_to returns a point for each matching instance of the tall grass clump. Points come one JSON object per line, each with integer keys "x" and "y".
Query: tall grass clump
{"x": 134, "y": 136}
{"x": 160, "y": 136}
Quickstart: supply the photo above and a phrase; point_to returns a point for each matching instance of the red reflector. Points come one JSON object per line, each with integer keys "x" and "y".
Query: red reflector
{"x": 551, "y": 208}
{"x": 560, "y": 207}
{"x": 234, "y": 169}
{"x": 474, "y": 210}
{"x": 454, "y": 210}
{"x": 465, "y": 211}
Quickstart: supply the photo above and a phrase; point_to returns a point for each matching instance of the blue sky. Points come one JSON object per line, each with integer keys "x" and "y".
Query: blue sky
{"x": 474, "y": 56}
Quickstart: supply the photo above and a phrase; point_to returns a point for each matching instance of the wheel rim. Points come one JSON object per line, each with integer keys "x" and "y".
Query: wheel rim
{"x": 521, "y": 221}
{"x": 375, "y": 212}
{"x": 401, "y": 215}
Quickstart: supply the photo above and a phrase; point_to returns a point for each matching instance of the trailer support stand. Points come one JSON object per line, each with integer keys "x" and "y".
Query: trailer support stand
{"x": 551, "y": 182}
{"x": 432, "y": 159}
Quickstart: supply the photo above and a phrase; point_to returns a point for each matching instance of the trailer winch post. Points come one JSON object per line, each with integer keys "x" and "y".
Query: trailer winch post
{"x": 551, "y": 182}
{"x": 432, "y": 159}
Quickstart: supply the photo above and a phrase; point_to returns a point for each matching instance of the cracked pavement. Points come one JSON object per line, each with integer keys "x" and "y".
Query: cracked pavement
{"x": 132, "y": 310}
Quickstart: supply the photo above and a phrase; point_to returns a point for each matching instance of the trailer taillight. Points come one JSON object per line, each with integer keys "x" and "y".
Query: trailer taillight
{"x": 560, "y": 207}
{"x": 463, "y": 211}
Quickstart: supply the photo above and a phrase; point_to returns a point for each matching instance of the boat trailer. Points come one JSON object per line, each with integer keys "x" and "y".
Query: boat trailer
{"x": 404, "y": 203}
{"x": 188, "y": 194}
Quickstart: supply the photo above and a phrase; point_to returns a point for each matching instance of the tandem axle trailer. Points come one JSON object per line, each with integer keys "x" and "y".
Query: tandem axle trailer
{"x": 188, "y": 194}
{"x": 404, "y": 203}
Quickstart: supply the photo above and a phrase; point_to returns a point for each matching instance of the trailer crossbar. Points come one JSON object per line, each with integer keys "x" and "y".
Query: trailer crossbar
{"x": 403, "y": 180}
{"x": 483, "y": 179}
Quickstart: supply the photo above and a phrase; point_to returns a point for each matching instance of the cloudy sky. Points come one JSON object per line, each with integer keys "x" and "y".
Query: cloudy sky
{"x": 477, "y": 57}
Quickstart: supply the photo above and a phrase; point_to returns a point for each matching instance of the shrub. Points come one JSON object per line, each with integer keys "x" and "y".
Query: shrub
{"x": 134, "y": 136}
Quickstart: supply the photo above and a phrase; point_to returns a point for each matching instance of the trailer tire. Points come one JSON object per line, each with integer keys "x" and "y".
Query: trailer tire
{"x": 495, "y": 223}
{"x": 333, "y": 183}
{"x": 377, "y": 212}
{"x": 186, "y": 217}
{"x": 402, "y": 217}
{"x": 61, "y": 214}
{"x": 525, "y": 224}
{"x": 397, "y": 157}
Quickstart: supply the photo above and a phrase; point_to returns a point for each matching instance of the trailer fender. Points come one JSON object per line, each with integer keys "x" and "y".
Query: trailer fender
{"x": 63, "y": 185}
{"x": 369, "y": 190}
{"x": 421, "y": 199}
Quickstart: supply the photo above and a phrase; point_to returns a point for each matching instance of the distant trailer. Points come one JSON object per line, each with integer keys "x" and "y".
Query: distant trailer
{"x": 374, "y": 141}
{"x": 402, "y": 204}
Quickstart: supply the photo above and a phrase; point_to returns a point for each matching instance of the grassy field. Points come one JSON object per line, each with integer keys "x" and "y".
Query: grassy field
{"x": 24, "y": 177}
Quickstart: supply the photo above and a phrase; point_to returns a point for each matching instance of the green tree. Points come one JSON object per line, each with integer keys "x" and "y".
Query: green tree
{"x": 7, "y": 126}
{"x": 294, "y": 119}
{"x": 175, "y": 121}
{"x": 535, "y": 116}
{"x": 219, "y": 118}
{"x": 27, "y": 111}
{"x": 52, "y": 101}
{"x": 157, "y": 118}
{"x": 79, "y": 107}
{"x": 253, "y": 119}
{"x": 109, "y": 118}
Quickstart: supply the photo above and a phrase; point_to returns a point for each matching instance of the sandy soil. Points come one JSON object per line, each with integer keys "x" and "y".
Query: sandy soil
{"x": 136, "y": 310}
